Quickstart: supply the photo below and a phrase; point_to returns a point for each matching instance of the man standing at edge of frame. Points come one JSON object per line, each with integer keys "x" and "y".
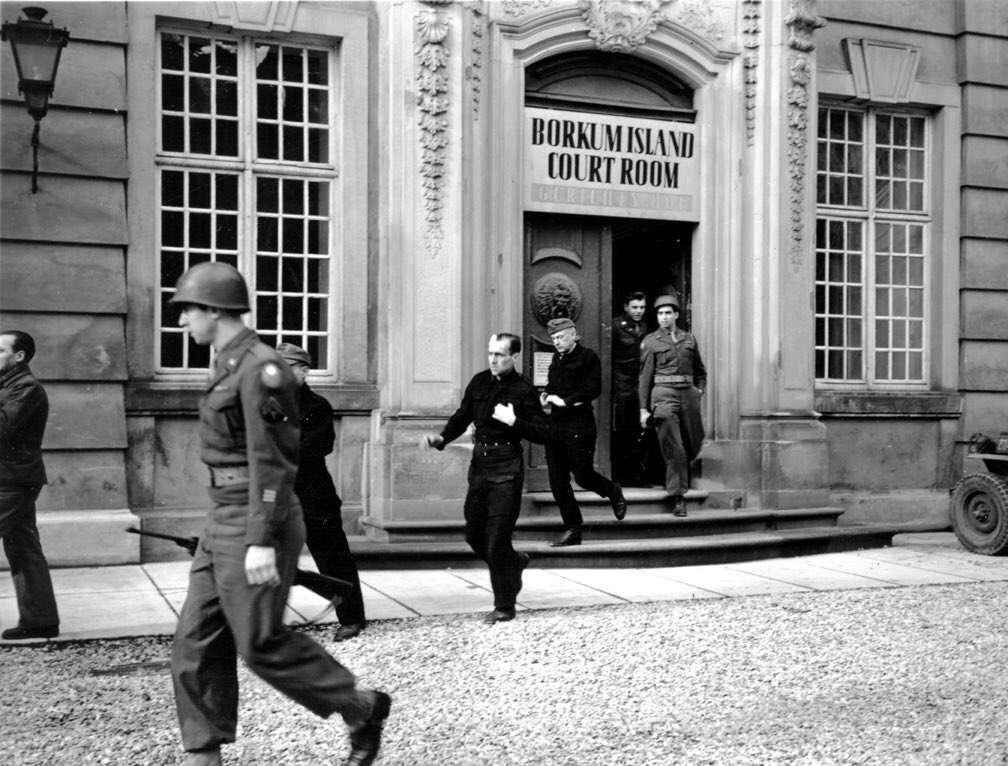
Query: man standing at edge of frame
{"x": 497, "y": 470}
{"x": 672, "y": 382}
{"x": 247, "y": 555}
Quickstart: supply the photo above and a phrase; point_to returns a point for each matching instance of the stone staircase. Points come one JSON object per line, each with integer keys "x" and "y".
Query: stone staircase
{"x": 649, "y": 536}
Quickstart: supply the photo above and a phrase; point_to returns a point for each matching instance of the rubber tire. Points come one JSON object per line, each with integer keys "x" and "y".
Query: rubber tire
{"x": 979, "y": 511}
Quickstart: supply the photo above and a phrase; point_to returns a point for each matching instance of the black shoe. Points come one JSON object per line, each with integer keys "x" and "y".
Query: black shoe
{"x": 365, "y": 741}
{"x": 618, "y": 502}
{"x": 569, "y": 537}
{"x": 19, "y": 633}
{"x": 523, "y": 561}
{"x": 499, "y": 615}
{"x": 343, "y": 632}
{"x": 678, "y": 506}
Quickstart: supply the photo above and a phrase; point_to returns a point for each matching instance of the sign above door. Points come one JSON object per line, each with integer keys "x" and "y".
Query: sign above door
{"x": 610, "y": 165}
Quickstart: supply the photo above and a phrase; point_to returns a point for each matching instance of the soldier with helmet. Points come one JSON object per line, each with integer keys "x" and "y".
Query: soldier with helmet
{"x": 247, "y": 555}
{"x": 672, "y": 382}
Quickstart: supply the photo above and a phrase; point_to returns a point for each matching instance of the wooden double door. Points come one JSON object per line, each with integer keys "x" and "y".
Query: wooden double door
{"x": 582, "y": 268}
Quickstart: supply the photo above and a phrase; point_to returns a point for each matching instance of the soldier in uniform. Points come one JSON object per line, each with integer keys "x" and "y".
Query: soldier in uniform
{"x": 247, "y": 555}
{"x": 672, "y": 381}
{"x": 497, "y": 471}
{"x": 574, "y": 381}
{"x": 315, "y": 489}
{"x": 628, "y": 329}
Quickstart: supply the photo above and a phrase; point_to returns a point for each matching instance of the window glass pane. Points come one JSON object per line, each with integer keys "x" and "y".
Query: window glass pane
{"x": 172, "y": 93}
{"x": 266, "y": 312}
{"x": 267, "y": 146}
{"x": 267, "y": 271}
{"x": 318, "y": 67}
{"x": 199, "y": 95}
{"x": 266, "y": 102}
{"x": 199, "y": 136}
{"x": 200, "y": 49}
{"x": 227, "y": 192}
{"x": 293, "y": 104}
{"x": 266, "y": 62}
{"x": 293, "y": 143}
{"x": 172, "y": 52}
{"x": 293, "y": 275}
{"x": 292, "y": 65}
{"x": 172, "y": 188}
{"x": 226, "y": 59}
{"x": 227, "y": 98}
{"x": 917, "y": 131}
{"x": 172, "y": 134}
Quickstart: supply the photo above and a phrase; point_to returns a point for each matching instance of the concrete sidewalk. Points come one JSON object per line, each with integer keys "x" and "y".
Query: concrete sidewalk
{"x": 120, "y": 601}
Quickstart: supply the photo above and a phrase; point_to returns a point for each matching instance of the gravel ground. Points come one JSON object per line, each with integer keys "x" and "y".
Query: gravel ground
{"x": 890, "y": 676}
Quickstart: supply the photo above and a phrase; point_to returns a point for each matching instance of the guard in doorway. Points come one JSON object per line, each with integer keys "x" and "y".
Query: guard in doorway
{"x": 574, "y": 381}
{"x": 672, "y": 383}
{"x": 628, "y": 329}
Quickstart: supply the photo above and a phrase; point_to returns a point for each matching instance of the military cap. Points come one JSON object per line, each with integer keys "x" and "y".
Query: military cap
{"x": 291, "y": 353}
{"x": 558, "y": 324}
{"x": 215, "y": 284}
{"x": 666, "y": 300}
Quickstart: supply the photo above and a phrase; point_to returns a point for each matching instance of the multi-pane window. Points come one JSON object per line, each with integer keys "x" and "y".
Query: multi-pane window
{"x": 246, "y": 176}
{"x": 872, "y": 247}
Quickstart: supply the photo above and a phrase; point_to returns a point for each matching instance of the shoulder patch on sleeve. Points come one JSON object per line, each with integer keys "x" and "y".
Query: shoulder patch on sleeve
{"x": 271, "y": 376}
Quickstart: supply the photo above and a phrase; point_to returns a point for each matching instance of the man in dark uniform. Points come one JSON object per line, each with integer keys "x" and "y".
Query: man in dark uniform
{"x": 574, "y": 381}
{"x": 315, "y": 489}
{"x": 247, "y": 555}
{"x": 24, "y": 409}
{"x": 497, "y": 471}
{"x": 628, "y": 330}
{"x": 672, "y": 381}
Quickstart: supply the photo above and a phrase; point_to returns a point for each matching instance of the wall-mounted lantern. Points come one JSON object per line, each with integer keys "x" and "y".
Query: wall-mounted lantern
{"x": 36, "y": 46}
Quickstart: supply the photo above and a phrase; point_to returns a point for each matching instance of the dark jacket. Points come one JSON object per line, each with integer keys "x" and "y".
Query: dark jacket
{"x": 24, "y": 409}
{"x": 249, "y": 417}
{"x": 313, "y": 483}
{"x": 478, "y": 401}
{"x": 576, "y": 377}
{"x": 626, "y": 340}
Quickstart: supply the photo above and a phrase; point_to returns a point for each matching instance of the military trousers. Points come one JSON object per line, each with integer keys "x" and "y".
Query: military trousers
{"x": 680, "y": 429}
{"x": 492, "y": 505}
{"x": 224, "y": 617}
{"x": 28, "y": 566}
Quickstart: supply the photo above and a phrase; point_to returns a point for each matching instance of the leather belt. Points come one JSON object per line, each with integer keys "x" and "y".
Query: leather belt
{"x": 673, "y": 378}
{"x": 225, "y": 476}
{"x": 497, "y": 444}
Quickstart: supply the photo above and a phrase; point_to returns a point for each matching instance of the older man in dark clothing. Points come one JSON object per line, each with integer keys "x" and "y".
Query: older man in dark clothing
{"x": 320, "y": 504}
{"x": 24, "y": 409}
{"x": 574, "y": 381}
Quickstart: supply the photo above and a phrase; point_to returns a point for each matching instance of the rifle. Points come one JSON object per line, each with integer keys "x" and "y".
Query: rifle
{"x": 329, "y": 588}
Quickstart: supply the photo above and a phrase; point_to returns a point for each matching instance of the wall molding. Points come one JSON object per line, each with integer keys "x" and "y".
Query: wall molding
{"x": 432, "y": 54}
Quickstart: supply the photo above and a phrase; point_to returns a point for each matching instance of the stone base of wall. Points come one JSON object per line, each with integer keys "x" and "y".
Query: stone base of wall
{"x": 925, "y": 508}
{"x": 87, "y": 538}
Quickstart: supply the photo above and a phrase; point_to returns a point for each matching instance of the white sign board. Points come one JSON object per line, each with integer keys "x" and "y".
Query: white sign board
{"x": 602, "y": 164}
{"x": 540, "y": 367}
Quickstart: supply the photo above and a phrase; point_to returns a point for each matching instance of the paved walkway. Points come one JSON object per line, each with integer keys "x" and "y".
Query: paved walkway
{"x": 111, "y": 602}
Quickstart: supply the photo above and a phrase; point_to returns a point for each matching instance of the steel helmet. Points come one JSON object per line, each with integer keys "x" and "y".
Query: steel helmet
{"x": 667, "y": 300}
{"x": 215, "y": 284}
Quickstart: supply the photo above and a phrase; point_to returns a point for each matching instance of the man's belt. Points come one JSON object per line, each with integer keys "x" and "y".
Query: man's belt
{"x": 496, "y": 444}
{"x": 227, "y": 475}
{"x": 673, "y": 378}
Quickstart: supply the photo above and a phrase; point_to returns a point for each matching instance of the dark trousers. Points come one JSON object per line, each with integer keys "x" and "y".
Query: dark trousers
{"x": 574, "y": 454}
{"x": 680, "y": 433}
{"x": 28, "y": 566}
{"x": 224, "y": 617}
{"x": 492, "y": 505}
{"x": 327, "y": 543}
{"x": 626, "y": 430}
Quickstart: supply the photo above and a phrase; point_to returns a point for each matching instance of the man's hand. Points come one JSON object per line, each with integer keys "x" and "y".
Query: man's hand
{"x": 645, "y": 416}
{"x": 260, "y": 565}
{"x": 543, "y": 397}
{"x": 505, "y": 413}
{"x": 555, "y": 400}
{"x": 431, "y": 440}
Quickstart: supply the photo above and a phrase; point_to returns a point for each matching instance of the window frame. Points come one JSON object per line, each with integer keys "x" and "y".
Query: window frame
{"x": 870, "y": 216}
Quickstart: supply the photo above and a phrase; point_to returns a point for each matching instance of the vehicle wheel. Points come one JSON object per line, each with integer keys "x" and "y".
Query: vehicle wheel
{"x": 980, "y": 513}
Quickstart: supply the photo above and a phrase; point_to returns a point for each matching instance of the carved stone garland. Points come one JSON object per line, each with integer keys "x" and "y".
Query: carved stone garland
{"x": 751, "y": 41}
{"x": 802, "y": 22}
{"x": 621, "y": 25}
{"x": 478, "y": 26}
{"x": 432, "y": 107}
{"x": 698, "y": 16}
{"x": 517, "y": 8}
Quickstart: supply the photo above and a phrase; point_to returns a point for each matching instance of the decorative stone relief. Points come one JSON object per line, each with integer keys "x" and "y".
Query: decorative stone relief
{"x": 555, "y": 295}
{"x": 751, "y": 42}
{"x": 274, "y": 16}
{"x": 883, "y": 71}
{"x": 432, "y": 107}
{"x": 476, "y": 73}
{"x": 621, "y": 25}
{"x": 802, "y": 21}
{"x": 699, "y": 16}
{"x": 517, "y": 8}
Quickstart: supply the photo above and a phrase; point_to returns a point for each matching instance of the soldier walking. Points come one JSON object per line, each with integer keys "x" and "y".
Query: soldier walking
{"x": 628, "y": 329}
{"x": 672, "y": 381}
{"x": 247, "y": 555}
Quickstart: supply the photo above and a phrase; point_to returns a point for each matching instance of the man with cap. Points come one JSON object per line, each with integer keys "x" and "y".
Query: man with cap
{"x": 244, "y": 565}
{"x": 672, "y": 381}
{"x": 628, "y": 329}
{"x": 314, "y": 487}
{"x": 574, "y": 381}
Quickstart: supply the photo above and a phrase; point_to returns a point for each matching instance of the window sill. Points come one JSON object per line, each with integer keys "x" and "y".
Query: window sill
{"x": 179, "y": 398}
{"x": 880, "y": 404}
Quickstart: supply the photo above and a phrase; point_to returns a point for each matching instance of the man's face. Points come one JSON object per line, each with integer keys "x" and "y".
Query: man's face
{"x": 300, "y": 372}
{"x": 564, "y": 339}
{"x": 502, "y": 361}
{"x": 200, "y": 322}
{"x": 8, "y": 357}
{"x": 635, "y": 309}
{"x": 666, "y": 317}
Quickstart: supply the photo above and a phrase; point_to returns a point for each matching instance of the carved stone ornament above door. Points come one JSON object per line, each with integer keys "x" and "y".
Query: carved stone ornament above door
{"x": 621, "y": 25}
{"x": 555, "y": 295}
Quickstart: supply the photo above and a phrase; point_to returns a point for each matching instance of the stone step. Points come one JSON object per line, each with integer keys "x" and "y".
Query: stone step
{"x": 641, "y": 523}
{"x": 600, "y": 552}
{"x": 639, "y": 499}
